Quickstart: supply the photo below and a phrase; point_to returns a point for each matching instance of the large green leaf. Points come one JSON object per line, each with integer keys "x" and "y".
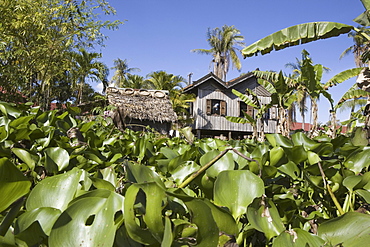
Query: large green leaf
{"x": 264, "y": 217}
{"x": 34, "y": 226}
{"x": 13, "y": 184}
{"x": 349, "y": 230}
{"x": 224, "y": 220}
{"x": 183, "y": 170}
{"x": 300, "y": 139}
{"x": 226, "y": 162}
{"x": 150, "y": 206}
{"x": 297, "y": 237}
{"x": 357, "y": 161}
{"x": 55, "y": 192}
{"x": 45, "y": 216}
{"x": 276, "y": 154}
{"x": 56, "y": 159}
{"x": 90, "y": 220}
{"x": 342, "y": 76}
{"x": 236, "y": 190}
{"x": 9, "y": 109}
{"x": 201, "y": 215}
{"x": 28, "y": 158}
{"x": 278, "y": 140}
{"x": 142, "y": 174}
{"x": 296, "y": 35}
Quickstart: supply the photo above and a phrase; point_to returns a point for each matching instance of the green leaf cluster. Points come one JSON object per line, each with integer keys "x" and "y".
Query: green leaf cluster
{"x": 65, "y": 181}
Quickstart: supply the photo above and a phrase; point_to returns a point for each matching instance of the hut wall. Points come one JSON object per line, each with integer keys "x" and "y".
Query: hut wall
{"x": 206, "y": 121}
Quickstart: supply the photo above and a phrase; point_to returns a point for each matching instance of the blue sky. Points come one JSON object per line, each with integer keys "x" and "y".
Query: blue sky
{"x": 160, "y": 34}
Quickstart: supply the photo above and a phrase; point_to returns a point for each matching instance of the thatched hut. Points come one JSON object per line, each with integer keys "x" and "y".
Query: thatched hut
{"x": 137, "y": 109}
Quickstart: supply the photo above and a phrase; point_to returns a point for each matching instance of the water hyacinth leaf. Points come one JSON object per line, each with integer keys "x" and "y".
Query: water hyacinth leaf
{"x": 123, "y": 239}
{"x": 264, "y": 217}
{"x": 201, "y": 216}
{"x": 297, "y": 237}
{"x": 28, "y": 158}
{"x": 13, "y": 184}
{"x": 102, "y": 184}
{"x": 357, "y": 161}
{"x": 184, "y": 170}
{"x": 224, "y": 220}
{"x": 21, "y": 122}
{"x": 300, "y": 139}
{"x": 109, "y": 175}
{"x": 291, "y": 169}
{"x": 226, "y": 162}
{"x": 313, "y": 158}
{"x": 297, "y": 154}
{"x": 359, "y": 137}
{"x": 350, "y": 230}
{"x": 90, "y": 220}
{"x": 276, "y": 154}
{"x": 142, "y": 174}
{"x": 278, "y": 140}
{"x": 9, "y": 109}
{"x": 55, "y": 192}
{"x": 32, "y": 236}
{"x": 167, "y": 236}
{"x": 236, "y": 189}
{"x": 350, "y": 182}
{"x": 169, "y": 153}
{"x": 46, "y": 218}
{"x": 151, "y": 202}
{"x": 364, "y": 194}
{"x": 56, "y": 158}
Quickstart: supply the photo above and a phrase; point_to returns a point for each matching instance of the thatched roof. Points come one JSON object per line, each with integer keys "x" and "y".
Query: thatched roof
{"x": 152, "y": 105}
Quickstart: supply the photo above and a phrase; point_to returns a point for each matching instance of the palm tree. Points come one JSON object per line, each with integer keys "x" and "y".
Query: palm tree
{"x": 122, "y": 70}
{"x": 86, "y": 67}
{"x": 223, "y": 43}
{"x": 360, "y": 46}
{"x": 301, "y": 90}
{"x": 161, "y": 80}
{"x": 135, "y": 81}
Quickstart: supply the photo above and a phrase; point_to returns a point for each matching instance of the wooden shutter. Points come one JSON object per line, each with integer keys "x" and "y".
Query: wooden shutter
{"x": 223, "y": 108}
{"x": 273, "y": 112}
{"x": 250, "y": 110}
{"x": 209, "y": 107}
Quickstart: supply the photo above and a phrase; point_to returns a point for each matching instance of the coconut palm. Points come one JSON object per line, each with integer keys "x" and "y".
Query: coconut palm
{"x": 135, "y": 81}
{"x": 223, "y": 43}
{"x": 87, "y": 67}
{"x": 360, "y": 46}
{"x": 161, "y": 80}
{"x": 121, "y": 71}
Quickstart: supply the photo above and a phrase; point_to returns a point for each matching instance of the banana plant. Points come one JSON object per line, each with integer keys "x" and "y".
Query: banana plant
{"x": 257, "y": 122}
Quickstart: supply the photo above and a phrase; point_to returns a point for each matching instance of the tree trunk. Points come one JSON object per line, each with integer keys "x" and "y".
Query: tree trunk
{"x": 314, "y": 109}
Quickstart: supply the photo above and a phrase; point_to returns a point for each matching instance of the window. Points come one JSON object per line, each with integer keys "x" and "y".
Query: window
{"x": 191, "y": 108}
{"x": 273, "y": 113}
{"x": 243, "y": 107}
{"x": 216, "y": 107}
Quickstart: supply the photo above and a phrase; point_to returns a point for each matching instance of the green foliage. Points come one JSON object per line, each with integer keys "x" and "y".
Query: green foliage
{"x": 38, "y": 40}
{"x": 130, "y": 188}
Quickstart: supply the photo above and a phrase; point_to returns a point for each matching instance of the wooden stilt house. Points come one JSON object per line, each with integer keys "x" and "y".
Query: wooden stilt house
{"x": 137, "y": 109}
{"x": 215, "y": 100}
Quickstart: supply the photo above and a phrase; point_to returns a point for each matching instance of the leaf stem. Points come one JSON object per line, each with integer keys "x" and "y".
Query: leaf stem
{"x": 203, "y": 168}
{"x": 327, "y": 186}
{"x": 214, "y": 160}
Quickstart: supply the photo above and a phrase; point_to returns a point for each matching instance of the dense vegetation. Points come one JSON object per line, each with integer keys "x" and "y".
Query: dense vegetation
{"x": 69, "y": 182}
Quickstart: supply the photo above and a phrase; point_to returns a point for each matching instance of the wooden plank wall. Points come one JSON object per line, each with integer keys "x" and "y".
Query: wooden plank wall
{"x": 210, "y": 122}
